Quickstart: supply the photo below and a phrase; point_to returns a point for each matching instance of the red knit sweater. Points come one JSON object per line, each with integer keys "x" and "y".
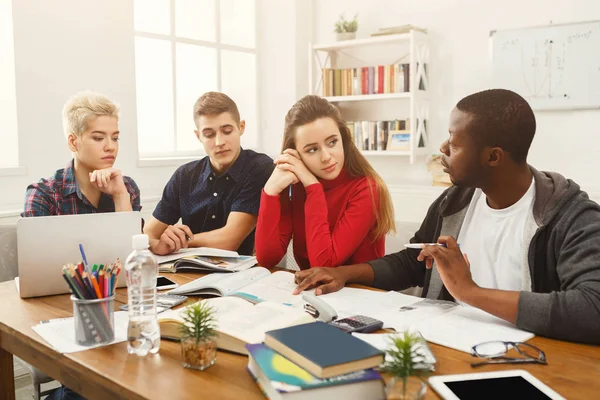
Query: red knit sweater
{"x": 330, "y": 221}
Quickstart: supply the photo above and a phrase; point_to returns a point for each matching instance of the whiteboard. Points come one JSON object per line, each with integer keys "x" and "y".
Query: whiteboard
{"x": 553, "y": 67}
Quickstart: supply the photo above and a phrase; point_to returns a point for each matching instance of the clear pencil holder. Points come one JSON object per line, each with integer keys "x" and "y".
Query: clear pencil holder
{"x": 94, "y": 320}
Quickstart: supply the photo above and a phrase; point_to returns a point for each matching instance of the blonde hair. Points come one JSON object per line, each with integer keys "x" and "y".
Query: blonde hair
{"x": 215, "y": 103}
{"x": 309, "y": 109}
{"x": 83, "y": 106}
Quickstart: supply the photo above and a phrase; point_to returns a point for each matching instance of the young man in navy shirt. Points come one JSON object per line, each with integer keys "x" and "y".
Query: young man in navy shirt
{"x": 217, "y": 197}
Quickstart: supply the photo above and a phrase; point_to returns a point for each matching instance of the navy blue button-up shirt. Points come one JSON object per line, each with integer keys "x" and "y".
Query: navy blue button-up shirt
{"x": 203, "y": 200}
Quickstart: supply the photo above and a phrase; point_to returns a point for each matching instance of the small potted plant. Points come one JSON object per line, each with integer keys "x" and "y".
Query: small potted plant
{"x": 406, "y": 356}
{"x": 198, "y": 334}
{"x": 346, "y": 30}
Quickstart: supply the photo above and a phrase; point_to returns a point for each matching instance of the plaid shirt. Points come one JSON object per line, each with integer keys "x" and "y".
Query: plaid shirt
{"x": 60, "y": 195}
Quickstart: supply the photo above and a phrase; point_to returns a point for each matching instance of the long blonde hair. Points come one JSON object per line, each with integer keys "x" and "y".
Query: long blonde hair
{"x": 309, "y": 109}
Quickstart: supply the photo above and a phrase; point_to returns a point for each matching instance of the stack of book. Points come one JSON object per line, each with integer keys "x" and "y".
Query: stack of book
{"x": 315, "y": 361}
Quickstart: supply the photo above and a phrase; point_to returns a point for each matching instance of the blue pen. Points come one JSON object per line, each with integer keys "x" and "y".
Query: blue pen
{"x": 85, "y": 263}
{"x": 290, "y": 192}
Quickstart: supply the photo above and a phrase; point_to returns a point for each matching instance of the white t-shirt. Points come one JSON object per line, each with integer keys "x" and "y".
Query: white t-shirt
{"x": 494, "y": 241}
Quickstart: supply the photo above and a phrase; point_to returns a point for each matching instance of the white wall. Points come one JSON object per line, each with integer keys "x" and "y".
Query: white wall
{"x": 565, "y": 141}
{"x": 64, "y": 46}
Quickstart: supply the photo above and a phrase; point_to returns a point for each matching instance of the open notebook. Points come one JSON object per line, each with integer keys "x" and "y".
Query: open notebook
{"x": 441, "y": 322}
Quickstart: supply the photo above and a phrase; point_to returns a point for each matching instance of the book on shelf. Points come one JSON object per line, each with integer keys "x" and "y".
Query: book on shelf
{"x": 395, "y": 30}
{"x": 323, "y": 349}
{"x": 255, "y": 284}
{"x": 279, "y": 378}
{"x": 379, "y": 79}
{"x": 374, "y": 135}
{"x": 239, "y": 322}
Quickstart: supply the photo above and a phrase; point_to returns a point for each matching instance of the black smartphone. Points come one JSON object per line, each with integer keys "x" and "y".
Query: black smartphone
{"x": 163, "y": 283}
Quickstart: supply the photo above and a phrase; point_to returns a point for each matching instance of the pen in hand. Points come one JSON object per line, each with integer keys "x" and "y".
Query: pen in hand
{"x": 421, "y": 245}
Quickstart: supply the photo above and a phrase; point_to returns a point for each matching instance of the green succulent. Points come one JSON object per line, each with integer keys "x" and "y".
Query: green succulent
{"x": 199, "y": 322}
{"x": 342, "y": 25}
{"x": 406, "y": 354}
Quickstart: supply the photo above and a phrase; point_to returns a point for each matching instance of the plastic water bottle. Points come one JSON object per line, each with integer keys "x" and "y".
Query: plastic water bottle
{"x": 143, "y": 331}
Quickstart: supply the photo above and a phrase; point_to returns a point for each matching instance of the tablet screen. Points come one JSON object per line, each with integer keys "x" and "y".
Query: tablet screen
{"x": 502, "y": 388}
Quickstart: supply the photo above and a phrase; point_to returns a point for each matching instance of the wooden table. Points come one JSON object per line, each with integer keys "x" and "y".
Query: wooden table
{"x": 573, "y": 370}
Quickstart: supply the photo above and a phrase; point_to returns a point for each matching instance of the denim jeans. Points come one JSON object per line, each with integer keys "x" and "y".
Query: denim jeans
{"x": 64, "y": 393}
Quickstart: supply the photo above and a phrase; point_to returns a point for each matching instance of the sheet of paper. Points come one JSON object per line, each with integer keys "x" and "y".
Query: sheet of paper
{"x": 404, "y": 315}
{"x": 196, "y": 251}
{"x": 353, "y": 301}
{"x": 464, "y": 327}
{"x": 60, "y": 333}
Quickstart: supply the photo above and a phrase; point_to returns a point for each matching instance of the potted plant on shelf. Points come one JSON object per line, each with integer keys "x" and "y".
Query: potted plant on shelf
{"x": 198, "y": 334}
{"x": 346, "y": 30}
{"x": 406, "y": 356}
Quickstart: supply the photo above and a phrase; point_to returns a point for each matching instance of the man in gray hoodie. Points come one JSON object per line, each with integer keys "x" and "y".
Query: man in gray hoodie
{"x": 529, "y": 241}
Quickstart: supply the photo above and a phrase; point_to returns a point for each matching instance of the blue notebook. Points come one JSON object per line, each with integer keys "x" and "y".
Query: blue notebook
{"x": 323, "y": 350}
{"x": 280, "y": 378}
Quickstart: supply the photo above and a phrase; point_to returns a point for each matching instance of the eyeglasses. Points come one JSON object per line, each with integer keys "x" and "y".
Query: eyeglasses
{"x": 495, "y": 352}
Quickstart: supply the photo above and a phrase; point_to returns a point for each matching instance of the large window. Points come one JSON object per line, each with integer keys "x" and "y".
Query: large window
{"x": 9, "y": 150}
{"x": 184, "y": 48}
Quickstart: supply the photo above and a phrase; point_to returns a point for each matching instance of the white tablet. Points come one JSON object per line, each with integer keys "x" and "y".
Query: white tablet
{"x": 503, "y": 384}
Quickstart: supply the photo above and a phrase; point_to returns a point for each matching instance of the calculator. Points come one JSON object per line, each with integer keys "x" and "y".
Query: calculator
{"x": 358, "y": 323}
{"x": 169, "y": 300}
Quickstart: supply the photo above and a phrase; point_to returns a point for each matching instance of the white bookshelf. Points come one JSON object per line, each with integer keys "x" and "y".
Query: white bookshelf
{"x": 412, "y": 47}
{"x": 368, "y": 97}
{"x": 347, "y": 44}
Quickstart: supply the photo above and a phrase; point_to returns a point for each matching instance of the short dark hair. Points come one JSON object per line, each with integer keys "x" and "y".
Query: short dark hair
{"x": 500, "y": 118}
{"x": 215, "y": 103}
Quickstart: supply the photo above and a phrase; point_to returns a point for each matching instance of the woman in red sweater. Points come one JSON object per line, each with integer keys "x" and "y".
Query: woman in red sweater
{"x": 323, "y": 193}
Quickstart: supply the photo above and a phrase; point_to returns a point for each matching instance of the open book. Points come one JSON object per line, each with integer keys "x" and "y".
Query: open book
{"x": 254, "y": 284}
{"x": 441, "y": 322}
{"x": 239, "y": 321}
{"x": 204, "y": 259}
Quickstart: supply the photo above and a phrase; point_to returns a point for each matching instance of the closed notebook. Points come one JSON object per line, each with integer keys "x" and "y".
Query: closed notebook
{"x": 323, "y": 349}
{"x": 279, "y": 378}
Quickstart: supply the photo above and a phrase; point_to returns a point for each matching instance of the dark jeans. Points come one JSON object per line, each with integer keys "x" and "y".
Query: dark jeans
{"x": 64, "y": 393}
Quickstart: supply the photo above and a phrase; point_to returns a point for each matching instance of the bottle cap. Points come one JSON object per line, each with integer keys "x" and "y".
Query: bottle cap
{"x": 140, "y": 242}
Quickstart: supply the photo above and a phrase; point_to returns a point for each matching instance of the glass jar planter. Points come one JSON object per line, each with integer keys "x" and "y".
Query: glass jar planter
{"x": 198, "y": 355}
{"x": 412, "y": 388}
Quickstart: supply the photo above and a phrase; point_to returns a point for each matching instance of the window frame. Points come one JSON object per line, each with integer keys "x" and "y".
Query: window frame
{"x": 16, "y": 169}
{"x": 177, "y": 157}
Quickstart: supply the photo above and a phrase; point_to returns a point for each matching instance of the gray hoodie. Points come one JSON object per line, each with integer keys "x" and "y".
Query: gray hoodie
{"x": 562, "y": 300}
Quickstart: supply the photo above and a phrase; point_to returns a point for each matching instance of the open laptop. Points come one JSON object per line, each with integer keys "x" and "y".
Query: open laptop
{"x": 45, "y": 244}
